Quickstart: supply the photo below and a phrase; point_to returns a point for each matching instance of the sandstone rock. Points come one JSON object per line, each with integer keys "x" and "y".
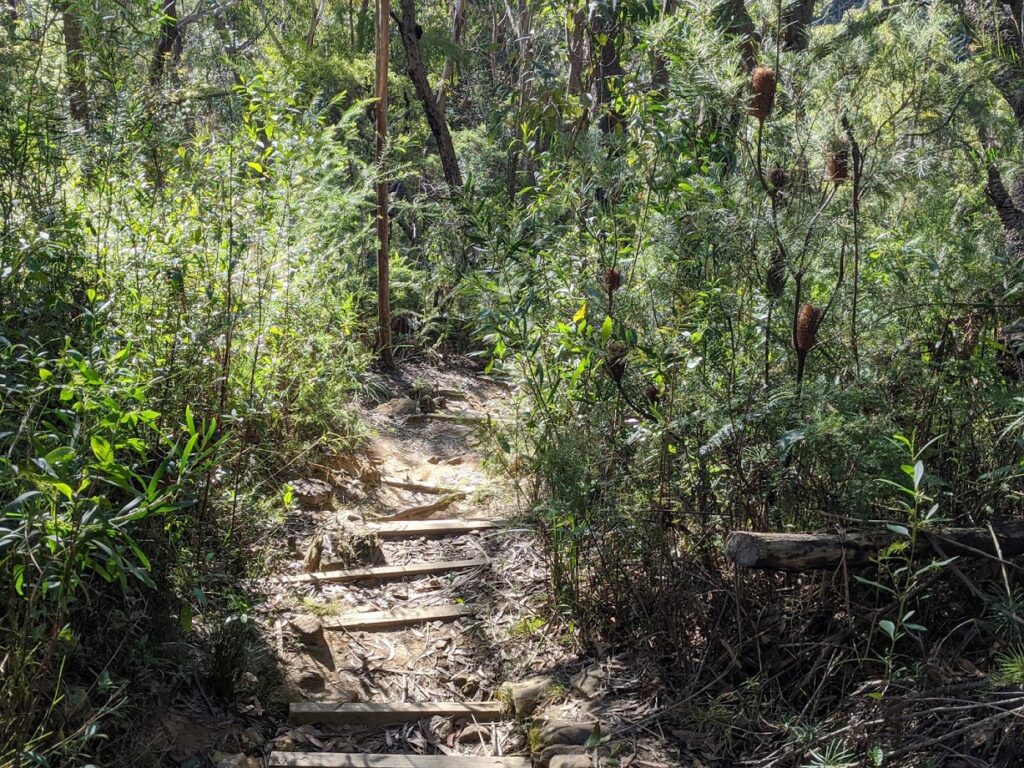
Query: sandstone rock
{"x": 562, "y": 732}
{"x": 570, "y": 761}
{"x": 312, "y": 493}
{"x": 589, "y": 682}
{"x": 398, "y": 407}
{"x": 358, "y": 467}
{"x": 225, "y": 760}
{"x": 552, "y": 751}
{"x": 473, "y": 734}
{"x": 527, "y": 694}
{"x": 309, "y": 629}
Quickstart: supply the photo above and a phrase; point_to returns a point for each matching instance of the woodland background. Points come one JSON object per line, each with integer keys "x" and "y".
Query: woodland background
{"x": 794, "y": 311}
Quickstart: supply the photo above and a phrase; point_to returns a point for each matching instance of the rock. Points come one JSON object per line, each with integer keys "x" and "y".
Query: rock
{"x": 358, "y": 467}
{"x": 570, "y": 761}
{"x": 309, "y": 629}
{"x": 589, "y": 682}
{"x": 398, "y": 407}
{"x": 225, "y": 760}
{"x": 440, "y": 728}
{"x": 468, "y": 684}
{"x": 554, "y": 751}
{"x": 527, "y": 694}
{"x": 355, "y": 546}
{"x": 562, "y": 732}
{"x": 313, "y": 493}
{"x": 474, "y": 734}
{"x": 252, "y": 737}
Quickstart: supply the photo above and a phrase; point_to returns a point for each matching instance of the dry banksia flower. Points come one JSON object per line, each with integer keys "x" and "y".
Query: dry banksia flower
{"x": 775, "y": 279}
{"x": 837, "y": 162}
{"x": 612, "y": 280}
{"x": 762, "y": 87}
{"x": 778, "y": 177}
{"x": 616, "y": 360}
{"x": 807, "y": 323}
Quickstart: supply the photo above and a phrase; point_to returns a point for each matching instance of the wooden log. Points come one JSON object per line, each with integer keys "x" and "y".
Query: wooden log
{"x": 384, "y": 572}
{"x": 401, "y": 617}
{"x": 400, "y": 529}
{"x": 385, "y": 713}
{"x": 362, "y": 760}
{"x": 810, "y": 551}
{"x": 426, "y": 510}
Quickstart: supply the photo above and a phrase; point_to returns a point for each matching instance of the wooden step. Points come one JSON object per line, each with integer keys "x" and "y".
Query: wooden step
{"x": 383, "y": 713}
{"x": 356, "y": 760}
{"x": 385, "y": 572}
{"x": 403, "y": 528}
{"x": 401, "y": 617}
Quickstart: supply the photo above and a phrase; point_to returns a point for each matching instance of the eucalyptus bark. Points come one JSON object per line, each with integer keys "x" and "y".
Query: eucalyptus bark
{"x": 74, "y": 56}
{"x": 607, "y": 30}
{"x": 168, "y": 44}
{"x": 417, "y": 71}
{"x": 458, "y": 24}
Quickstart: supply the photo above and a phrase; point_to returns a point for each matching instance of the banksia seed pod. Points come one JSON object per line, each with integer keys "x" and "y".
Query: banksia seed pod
{"x": 616, "y": 360}
{"x": 778, "y": 177}
{"x": 837, "y": 162}
{"x": 652, "y": 394}
{"x": 762, "y": 87}
{"x": 775, "y": 279}
{"x": 807, "y": 328}
{"x": 612, "y": 279}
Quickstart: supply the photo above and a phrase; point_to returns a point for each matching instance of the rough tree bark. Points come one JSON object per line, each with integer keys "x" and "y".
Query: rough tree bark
{"x": 607, "y": 30}
{"x": 411, "y": 32}
{"x": 796, "y": 25}
{"x": 576, "y": 45}
{"x": 168, "y": 43}
{"x": 732, "y": 17}
{"x": 74, "y": 54}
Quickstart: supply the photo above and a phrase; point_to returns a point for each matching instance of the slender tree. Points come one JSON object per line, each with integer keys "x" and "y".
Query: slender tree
{"x": 383, "y": 225}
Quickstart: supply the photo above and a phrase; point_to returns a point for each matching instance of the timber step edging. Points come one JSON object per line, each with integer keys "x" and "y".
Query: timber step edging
{"x": 385, "y": 572}
{"x": 439, "y": 527}
{"x": 366, "y": 760}
{"x": 384, "y": 713}
{"x": 401, "y": 617}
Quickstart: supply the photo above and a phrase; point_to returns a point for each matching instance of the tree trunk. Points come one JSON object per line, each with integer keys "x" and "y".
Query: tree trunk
{"x": 796, "y": 25}
{"x": 811, "y": 551}
{"x": 317, "y": 7}
{"x": 576, "y": 46}
{"x": 732, "y": 16}
{"x": 458, "y": 24}
{"x": 608, "y": 66}
{"x": 383, "y": 225}
{"x": 168, "y": 44}
{"x": 74, "y": 53}
{"x": 435, "y": 115}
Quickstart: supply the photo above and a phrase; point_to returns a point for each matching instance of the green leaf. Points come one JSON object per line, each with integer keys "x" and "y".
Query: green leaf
{"x": 888, "y": 627}
{"x": 606, "y": 329}
{"x": 899, "y": 530}
{"x": 102, "y": 449}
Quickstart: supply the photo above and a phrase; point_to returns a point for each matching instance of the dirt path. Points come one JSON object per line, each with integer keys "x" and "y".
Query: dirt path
{"x": 373, "y": 675}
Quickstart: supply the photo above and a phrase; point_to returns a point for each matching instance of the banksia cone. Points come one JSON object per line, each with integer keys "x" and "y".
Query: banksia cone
{"x": 775, "y": 279}
{"x": 837, "y": 162}
{"x": 652, "y": 394}
{"x": 616, "y": 360}
{"x": 778, "y": 177}
{"x": 807, "y": 328}
{"x": 612, "y": 279}
{"x": 762, "y": 87}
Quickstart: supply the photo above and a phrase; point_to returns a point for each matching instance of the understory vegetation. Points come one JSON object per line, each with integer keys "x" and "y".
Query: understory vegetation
{"x": 751, "y": 267}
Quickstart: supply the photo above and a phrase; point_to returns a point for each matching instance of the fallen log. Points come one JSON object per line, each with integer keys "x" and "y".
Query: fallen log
{"x": 811, "y": 551}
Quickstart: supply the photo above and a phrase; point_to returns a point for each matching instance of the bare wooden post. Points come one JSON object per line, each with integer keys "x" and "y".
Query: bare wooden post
{"x": 383, "y": 272}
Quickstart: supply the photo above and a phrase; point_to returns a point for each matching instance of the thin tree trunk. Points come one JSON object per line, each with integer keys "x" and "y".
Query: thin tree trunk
{"x": 314, "y": 22}
{"x": 383, "y": 225}
{"x": 796, "y": 25}
{"x": 608, "y": 65}
{"x": 576, "y": 44}
{"x": 167, "y": 43}
{"x": 78, "y": 92}
{"x": 458, "y": 24}
{"x": 435, "y": 115}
